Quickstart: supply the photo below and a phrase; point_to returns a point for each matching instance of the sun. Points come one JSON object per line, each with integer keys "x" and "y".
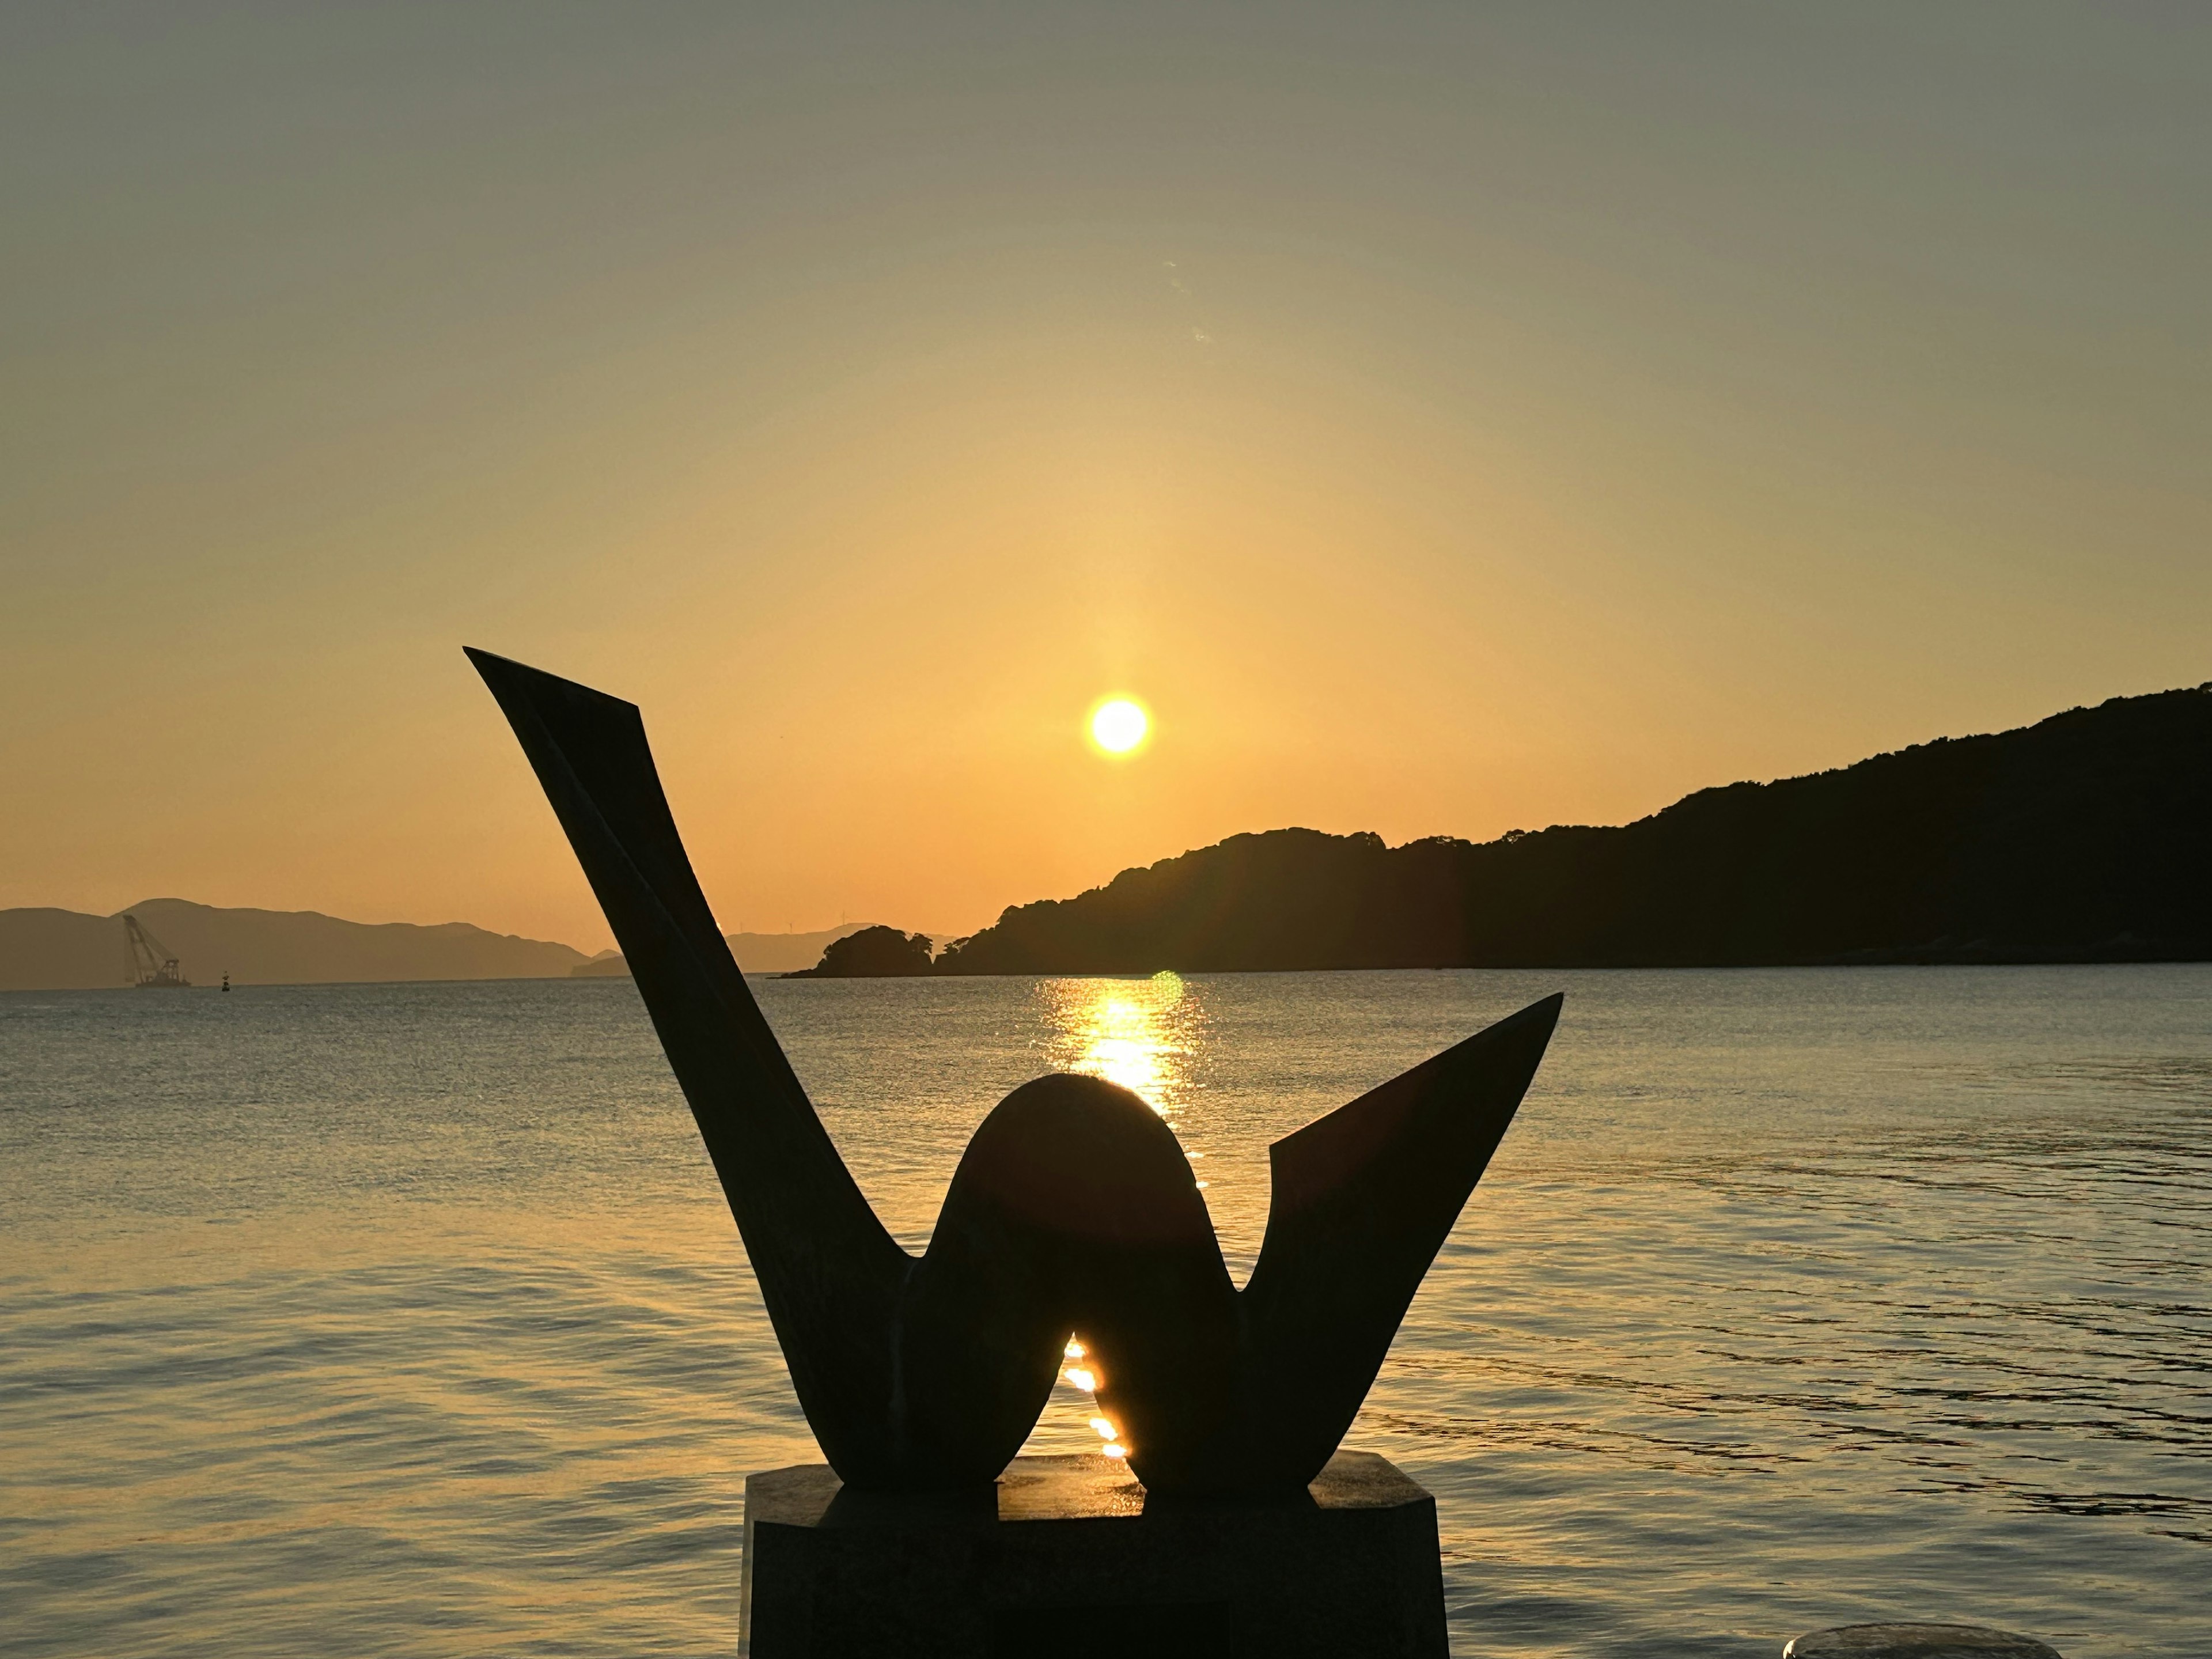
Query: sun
{"x": 1120, "y": 726}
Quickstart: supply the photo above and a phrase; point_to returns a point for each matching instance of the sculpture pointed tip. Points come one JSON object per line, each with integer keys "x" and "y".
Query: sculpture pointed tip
{"x": 492, "y": 668}
{"x": 490, "y": 663}
{"x": 1538, "y": 1020}
{"x": 516, "y": 683}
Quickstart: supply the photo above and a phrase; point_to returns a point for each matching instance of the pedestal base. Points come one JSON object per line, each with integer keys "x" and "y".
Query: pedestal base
{"x": 1066, "y": 1558}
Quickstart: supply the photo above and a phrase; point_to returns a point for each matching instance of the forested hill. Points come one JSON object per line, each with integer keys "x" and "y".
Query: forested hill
{"x": 2085, "y": 837}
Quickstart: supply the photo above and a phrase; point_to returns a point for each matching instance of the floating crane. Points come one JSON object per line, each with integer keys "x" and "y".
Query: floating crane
{"x": 146, "y": 961}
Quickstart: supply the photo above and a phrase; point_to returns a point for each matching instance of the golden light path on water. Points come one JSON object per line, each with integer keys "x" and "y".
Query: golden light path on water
{"x": 411, "y": 1319}
{"x": 1143, "y": 1034}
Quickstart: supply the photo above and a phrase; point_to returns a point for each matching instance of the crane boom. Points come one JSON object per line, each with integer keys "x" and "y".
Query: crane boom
{"x": 147, "y": 963}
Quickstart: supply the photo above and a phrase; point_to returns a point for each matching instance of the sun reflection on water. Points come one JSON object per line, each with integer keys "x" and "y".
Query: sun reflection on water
{"x": 1080, "y": 1373}
{"x": 1141, "y": 1034}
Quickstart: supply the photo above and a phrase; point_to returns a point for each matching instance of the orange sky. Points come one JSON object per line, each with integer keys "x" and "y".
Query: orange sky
{"x": 1446, "y": 419}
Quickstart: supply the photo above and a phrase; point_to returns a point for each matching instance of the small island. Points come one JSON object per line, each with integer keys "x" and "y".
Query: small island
{"x": 873, "y": 953}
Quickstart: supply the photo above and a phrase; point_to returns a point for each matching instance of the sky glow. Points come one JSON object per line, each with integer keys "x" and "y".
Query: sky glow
{"x": 1460, "y": 417}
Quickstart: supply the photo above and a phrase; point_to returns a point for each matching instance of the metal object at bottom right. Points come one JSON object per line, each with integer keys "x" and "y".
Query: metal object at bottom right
{"x": 1916, "y": 1642}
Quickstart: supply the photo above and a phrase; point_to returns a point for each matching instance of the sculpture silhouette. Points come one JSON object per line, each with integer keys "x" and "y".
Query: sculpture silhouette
{"x": 1072, "y": 1209}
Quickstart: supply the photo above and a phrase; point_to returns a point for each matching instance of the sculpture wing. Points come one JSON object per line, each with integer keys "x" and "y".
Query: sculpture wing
{"x": 828, "y": 1272}
{"x": 1363, "y": 1200}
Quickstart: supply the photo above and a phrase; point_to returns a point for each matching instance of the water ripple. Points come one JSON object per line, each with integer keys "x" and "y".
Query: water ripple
{"x": 407, "y": 1320}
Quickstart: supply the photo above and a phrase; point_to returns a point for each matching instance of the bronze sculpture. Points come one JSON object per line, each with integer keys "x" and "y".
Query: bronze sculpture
{"x": 1072, "y": 1208}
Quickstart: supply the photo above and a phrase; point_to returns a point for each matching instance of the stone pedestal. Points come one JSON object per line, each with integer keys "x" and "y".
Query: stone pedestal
{"x": 1066, "y": 1557}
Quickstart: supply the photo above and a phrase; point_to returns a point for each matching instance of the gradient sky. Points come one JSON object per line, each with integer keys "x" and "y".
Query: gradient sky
{"x": 1447, "y": 420}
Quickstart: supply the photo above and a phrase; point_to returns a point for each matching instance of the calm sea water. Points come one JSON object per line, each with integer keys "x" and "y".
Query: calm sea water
{"x": 408, "y": 1320}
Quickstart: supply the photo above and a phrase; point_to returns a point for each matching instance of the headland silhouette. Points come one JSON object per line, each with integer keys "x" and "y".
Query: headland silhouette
{"x": 2087, "y": 837}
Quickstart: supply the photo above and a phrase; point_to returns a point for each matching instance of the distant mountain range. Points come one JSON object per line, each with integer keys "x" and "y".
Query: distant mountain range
{"x": 47, "y": 950}
{"x": 2087, "y": 837}
{"x": 56, "y": 950}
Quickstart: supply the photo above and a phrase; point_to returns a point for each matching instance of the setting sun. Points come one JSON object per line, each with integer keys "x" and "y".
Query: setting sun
{"x": 1120, "y": 727}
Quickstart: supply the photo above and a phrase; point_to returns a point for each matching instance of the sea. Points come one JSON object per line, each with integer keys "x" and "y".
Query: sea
{"x": 409, "y": 1319}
